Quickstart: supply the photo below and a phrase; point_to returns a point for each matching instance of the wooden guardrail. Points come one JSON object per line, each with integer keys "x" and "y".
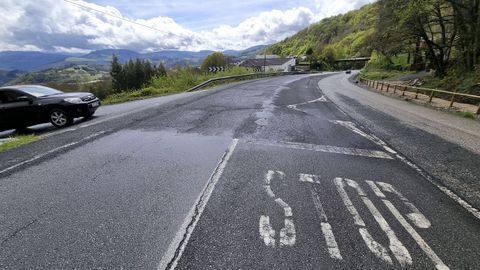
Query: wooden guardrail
{"x": 246, "y": 76}
{"x": 380, "y": 85}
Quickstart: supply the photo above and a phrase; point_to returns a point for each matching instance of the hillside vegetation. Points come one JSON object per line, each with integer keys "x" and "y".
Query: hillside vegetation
{"x": 401, "y": 36}
{"x": 337, "y": 37}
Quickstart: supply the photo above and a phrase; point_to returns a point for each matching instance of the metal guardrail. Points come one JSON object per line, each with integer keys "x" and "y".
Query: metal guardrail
{"x": 246, "y": 76}
{"x": 380, "y": 85}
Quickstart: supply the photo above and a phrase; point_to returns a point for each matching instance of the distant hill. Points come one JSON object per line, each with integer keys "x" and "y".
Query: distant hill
{"x": 70, "y": 74}
{"x": 341, "y": 36}
{"x": 6, "y": 76}
{"x": 27, "y": 61}
{"x": 37, "y": 67}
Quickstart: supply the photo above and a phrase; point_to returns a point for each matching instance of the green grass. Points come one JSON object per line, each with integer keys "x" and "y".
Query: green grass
{"x": 383, "y": 74}
{"x": 17, "y": 142}
{"x": 469, "y": 115}
{"x": 176, "y": 82}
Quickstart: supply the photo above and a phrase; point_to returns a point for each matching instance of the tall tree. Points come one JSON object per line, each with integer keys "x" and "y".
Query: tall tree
{"x": 432, "y": 21}
{"x": 467, "y": 22}
{"x": 117, "y": 74}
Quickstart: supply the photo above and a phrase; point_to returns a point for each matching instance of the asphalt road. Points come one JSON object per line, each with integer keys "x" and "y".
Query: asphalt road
{"x": 267, "y": 174}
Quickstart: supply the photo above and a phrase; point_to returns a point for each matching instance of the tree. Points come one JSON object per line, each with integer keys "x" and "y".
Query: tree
{"x": 467, "y": 24}
{"x": 432, "y": 21}
{"x": 216, "y": 59}
{"x": 117, "y": 74}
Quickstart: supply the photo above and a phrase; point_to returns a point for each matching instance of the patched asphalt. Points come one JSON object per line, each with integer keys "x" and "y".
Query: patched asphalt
{"x": 118, "y": 200}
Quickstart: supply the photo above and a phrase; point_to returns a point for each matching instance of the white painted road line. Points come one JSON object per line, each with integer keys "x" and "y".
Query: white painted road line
{"x": 327, "y": 231}
{"x": 475, "y": 212}
{"x": 398, "y": 249}
{"x": 51, "y": 152}
{"x": 266, "y": 231}
{"x": 415, "y": 215}
{"x": 177, "y": 246}
{"x": 309, "y": 178}
{"x": 325, "y": 149}
{"x": 423, "y": 245}
{"x": 287, "y": 233}
{"x": 376, "y": 248}
{"x": 295, "y": 106}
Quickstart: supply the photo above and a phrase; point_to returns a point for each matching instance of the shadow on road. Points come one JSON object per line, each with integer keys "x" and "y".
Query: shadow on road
{"x": 41, "y": 128}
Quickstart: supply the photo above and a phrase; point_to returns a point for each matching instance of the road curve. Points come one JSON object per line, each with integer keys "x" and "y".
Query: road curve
{"x": 267, "y": 174}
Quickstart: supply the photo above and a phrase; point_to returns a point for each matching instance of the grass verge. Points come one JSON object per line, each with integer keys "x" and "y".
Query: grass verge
{"x": 383, "y": 74}
{"x": 469, "y": 115}
{"x": 17, "y": 141}
{"x": 177, "y": 81}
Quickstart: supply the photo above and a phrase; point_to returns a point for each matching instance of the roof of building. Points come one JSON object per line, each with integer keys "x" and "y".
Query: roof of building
{"x": 265, "y": 62}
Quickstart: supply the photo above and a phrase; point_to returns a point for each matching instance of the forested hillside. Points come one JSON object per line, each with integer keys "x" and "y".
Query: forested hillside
{"x": 401, "y": 36}
{"x": 340, "y": 36}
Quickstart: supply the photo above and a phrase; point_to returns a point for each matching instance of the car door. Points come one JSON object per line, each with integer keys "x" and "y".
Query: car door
{"x": 14, "y": 111}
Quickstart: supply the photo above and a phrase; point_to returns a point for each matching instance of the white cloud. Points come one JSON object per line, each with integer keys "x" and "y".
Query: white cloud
{"x": 55, "y": 25}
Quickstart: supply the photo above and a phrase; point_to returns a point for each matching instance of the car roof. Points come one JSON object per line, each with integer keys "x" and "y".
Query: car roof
{"x": 19, "y": 87}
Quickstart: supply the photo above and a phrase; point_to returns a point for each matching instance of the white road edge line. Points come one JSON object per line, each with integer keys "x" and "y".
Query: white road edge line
{"x": 177, "y": 246}
{"x": 349, "y": 125}
{"x": 37, "y": 157}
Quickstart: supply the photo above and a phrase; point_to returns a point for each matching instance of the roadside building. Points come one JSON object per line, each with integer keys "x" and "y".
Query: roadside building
{"x": 270, "y": 64}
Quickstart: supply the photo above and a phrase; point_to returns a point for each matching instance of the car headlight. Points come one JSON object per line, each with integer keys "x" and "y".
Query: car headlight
{"x": 73, "y": 100}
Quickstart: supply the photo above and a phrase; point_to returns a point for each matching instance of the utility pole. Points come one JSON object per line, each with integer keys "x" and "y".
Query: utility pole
{"x": 265, "y": 62}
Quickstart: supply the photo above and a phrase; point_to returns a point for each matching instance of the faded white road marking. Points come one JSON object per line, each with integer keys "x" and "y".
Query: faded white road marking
{"x": 287, "y": 233}
{"x": 415, "y": 216}
{"x": 397, "y": 248}
{"x": 375, "y": 189}
{"x": 266, "y": 231}
{"x": 327, "y": 231}
{"x": 423, "y": 245}
{"x": 285, "y": 206}
{"x": 177, "y": 246}
{"x": 376, "y": 248}
{"x": 475, "y": 212}
{"x": 325, "y": 149}
{"x": 309, "y": 178}
{"x": 295, "y": 106}
{"x": 51, "y": 152}
{"x": 348, "y": 203}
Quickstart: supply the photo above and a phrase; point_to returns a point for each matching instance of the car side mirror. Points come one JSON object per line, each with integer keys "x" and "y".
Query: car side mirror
{"x": 24, "y": 99}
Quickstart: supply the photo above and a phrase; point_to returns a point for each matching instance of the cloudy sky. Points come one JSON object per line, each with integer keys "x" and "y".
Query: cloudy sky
{"x": 78, "y": 26}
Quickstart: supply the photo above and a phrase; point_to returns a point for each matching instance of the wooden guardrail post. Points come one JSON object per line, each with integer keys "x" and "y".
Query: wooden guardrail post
{"x": 416, "y": 93}
{"x": 478, "y": 111}
{"x": 431, "y": 97}
{"x": 453, "y": 99}
{"x": 382, "y": 86}
{"x": 395, "y": 89}
{"x": 404, "y": 89}
{"x": 388, "y": 87}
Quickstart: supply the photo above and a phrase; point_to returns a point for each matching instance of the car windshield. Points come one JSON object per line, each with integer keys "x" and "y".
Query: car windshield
{"x": 40, "y": 91}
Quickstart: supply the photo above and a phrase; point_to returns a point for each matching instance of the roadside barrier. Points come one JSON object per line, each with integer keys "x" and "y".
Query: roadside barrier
{"x": 243, "y": 77}
{"x": 384, "y": 86}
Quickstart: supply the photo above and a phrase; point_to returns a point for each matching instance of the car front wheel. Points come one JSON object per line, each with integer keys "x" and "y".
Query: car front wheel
{"x": 60, "y": 118}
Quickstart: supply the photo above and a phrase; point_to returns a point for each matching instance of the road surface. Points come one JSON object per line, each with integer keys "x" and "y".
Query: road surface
{"x": 278, "y": 173}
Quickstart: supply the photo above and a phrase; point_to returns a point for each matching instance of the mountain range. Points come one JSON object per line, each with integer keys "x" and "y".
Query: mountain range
{"x": 35, "y": 61}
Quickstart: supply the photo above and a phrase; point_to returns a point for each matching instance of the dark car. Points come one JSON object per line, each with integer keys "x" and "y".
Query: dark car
{"x": 22, "y": 106}
{"x": 348, "y": 71}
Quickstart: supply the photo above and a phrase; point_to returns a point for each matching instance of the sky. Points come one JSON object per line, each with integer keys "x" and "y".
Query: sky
{"x": 80, "y": 26}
